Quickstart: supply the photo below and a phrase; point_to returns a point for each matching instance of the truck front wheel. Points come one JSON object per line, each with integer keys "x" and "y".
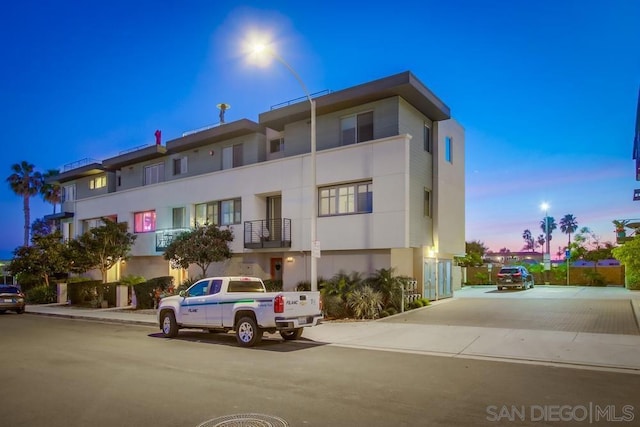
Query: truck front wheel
{"x": 248, "y": 333}
{"x": 290, "y": 335}
{"x": 169, "y": 324}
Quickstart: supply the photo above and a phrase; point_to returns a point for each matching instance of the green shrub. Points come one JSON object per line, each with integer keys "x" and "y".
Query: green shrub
{"x": 594, "y": 278}
{"x": 185, "y": 285}
{"x": 633, "y": 280}
{"x": 333, "y": 306}
{"x": 274, "y": 285}
{"x": 42, "y": 294}
{"x": 303, "y": 286}
{"x": 83, "y": 292}
{"x": 482, "y": 277}
{"x": 145, "y": 291}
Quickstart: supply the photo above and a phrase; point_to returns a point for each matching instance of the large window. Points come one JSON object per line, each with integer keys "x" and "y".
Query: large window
{"x": 144, "y": 222}
{"x": 222, "y": 212}
{"x": 346, "y": 199}
{"x": 448, "y": 149}
{"x": 154, "y": 174}
{"x": 232, "y": 156}
{"x": 88, "y": 224}
{"x": 98, "y": 182}
{"x": 357, "y": 128}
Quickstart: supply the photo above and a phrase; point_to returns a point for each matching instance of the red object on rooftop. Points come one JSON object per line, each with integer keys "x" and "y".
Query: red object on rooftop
{"x": 158, "y": 135}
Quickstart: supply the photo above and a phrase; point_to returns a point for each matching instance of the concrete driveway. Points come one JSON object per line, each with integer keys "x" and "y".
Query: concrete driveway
{"x": 548, "y": 308}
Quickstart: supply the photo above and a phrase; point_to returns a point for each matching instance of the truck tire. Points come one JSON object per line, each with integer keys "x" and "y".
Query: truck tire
{"x": 291, "y": 335}
{"x": 169, "y": 324}
{"x": 248, "y": 333}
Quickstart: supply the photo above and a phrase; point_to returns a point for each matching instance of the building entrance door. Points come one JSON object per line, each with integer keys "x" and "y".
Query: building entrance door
{"x": 276, "y": 269}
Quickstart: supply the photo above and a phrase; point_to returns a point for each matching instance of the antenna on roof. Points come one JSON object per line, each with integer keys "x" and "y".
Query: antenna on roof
{"x": 223, "y": 107}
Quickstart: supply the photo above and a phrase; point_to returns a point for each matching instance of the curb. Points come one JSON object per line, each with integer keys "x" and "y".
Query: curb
{"x": 96, "y": 319}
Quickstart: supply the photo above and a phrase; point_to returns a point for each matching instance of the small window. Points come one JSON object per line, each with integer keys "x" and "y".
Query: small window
{"x": 448, "y": 149}
{"x": 216, "y": 285}
{"x": 198, "y": 289}
{"x": 245, "y": 286}
{"x": 154, "y": 174}
{"x": 276, "y": 145}
{"x": 232, "y": 156}
{"x": 144, "y": 222}
{"x": 180, "y": 166}
{"x": 179, "y": 217}
{"x": 427, "y": 139}
{"x": 98, "y": 182}
{"x": 358, "y": 128}
{"x": 427, "y": 203}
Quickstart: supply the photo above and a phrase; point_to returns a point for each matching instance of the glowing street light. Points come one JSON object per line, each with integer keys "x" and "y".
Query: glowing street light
{"x": 262, "y": 49}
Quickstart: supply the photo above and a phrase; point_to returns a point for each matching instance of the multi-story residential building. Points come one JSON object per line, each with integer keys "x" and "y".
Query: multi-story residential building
{"x": 389, "y": 188}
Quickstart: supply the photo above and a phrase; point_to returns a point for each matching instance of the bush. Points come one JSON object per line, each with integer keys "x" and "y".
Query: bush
{"x": 42, "y": 294}
{"x": 482, "y": 277}
{"x": 595, "y": 278}
{"x": 274, "y": 285}
{"x": 333, "y": 306}
{"x": 145, "y": 291}
{"x": 633, "y": 280}
{"x": 83, "y": 292}
{"x": 365, "y": 302}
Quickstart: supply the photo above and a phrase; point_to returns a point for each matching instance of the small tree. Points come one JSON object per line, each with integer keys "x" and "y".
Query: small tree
{"x": 46, "y": 256}
{"x": 101, "y": 248}
{"x": 475, "y": 253}
{"x": 202, "y": 245}
{"x": 629, "y": 256}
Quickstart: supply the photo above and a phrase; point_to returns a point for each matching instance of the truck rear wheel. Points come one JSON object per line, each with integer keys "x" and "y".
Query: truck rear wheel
{"x": 248, "y": 333}
{"x": 290, "y": 335}
{"x": 169, "y": 324}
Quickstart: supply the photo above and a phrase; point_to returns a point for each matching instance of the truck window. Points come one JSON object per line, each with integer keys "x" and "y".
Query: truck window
{"x": 216, "y": 285}
{"x": 199, "y": 288}
{"x": 245, "y": 286}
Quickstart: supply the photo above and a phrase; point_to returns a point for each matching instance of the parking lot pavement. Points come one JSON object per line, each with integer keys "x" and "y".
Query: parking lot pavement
{"x": 549, "y": 291}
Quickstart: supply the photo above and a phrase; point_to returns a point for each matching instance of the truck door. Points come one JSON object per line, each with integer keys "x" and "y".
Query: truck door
{"x": 213, "y": 307}
{"x": 192, "y": 307}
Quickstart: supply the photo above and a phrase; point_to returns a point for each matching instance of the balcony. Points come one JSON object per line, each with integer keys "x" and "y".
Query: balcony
{"x": 271, "y": 233}
{"x": 166, "y": 236}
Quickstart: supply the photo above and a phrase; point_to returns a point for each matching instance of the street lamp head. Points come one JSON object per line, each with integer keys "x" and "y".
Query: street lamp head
{"x": 544, "y": 206}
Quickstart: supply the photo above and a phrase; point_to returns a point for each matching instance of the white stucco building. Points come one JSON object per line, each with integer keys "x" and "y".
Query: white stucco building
{"x": 389, "y": 187}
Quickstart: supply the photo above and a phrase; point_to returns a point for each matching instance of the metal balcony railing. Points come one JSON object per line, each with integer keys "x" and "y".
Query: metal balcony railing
{"x": 272, "y": 233}
{"x": 165, "y": 237}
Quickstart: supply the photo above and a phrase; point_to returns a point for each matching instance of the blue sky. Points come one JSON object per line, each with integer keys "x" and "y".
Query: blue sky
{"x": 546, "y": 90}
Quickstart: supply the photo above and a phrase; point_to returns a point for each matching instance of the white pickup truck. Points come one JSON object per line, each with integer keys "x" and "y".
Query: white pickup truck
{"x": 241, "y": 304}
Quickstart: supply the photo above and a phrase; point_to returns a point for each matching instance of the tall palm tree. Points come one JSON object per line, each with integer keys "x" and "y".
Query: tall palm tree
{"x": 568, "y": 225}
{"x": 51, "y": 192}
{"x": 25, "y": 182}
{"x": 551, "y": 223}
{"x": 529, "y": 243}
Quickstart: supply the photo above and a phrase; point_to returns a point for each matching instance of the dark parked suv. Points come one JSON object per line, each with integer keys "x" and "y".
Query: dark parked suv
{"x": 11, "y": 298}
{"x": 515, "y": 276}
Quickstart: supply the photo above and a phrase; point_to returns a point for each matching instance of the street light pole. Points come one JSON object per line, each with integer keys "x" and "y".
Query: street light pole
{"x": 547, "y": 255}
{"x": 314, "y": 244}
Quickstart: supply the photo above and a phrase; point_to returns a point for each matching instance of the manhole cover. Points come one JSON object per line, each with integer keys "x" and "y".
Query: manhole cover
{"x": 245, "y": 420}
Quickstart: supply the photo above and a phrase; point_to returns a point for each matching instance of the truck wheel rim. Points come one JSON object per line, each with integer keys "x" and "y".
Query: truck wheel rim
{"x": 246, "y": 332}
{"x": 166, "y": 325}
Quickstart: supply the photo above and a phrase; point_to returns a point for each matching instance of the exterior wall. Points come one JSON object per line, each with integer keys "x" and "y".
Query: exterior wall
{"x": 450, "y": 191}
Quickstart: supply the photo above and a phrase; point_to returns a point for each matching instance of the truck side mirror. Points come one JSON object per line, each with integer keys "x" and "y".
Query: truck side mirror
{"x": 183, "y": 293}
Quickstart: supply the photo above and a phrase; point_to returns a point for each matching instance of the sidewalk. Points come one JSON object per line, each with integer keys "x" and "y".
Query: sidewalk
{"x": 577, "y": 349}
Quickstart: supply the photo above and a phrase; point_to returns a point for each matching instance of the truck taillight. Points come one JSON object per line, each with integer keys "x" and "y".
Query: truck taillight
{"x": 278, "y": 304}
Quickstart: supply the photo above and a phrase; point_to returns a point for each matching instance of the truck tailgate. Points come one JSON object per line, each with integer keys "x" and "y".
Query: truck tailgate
{"x": 301, "y": 304}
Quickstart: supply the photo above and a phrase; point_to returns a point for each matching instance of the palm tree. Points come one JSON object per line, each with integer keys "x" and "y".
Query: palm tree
{"x": 551, "y": 221}
{"x": 529, "y": 243}
{"x": 51, "y": 192}
{"x": 25, "y": 182}
{"x": 541, "y": 240}
{"x": 568, "y": 225}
